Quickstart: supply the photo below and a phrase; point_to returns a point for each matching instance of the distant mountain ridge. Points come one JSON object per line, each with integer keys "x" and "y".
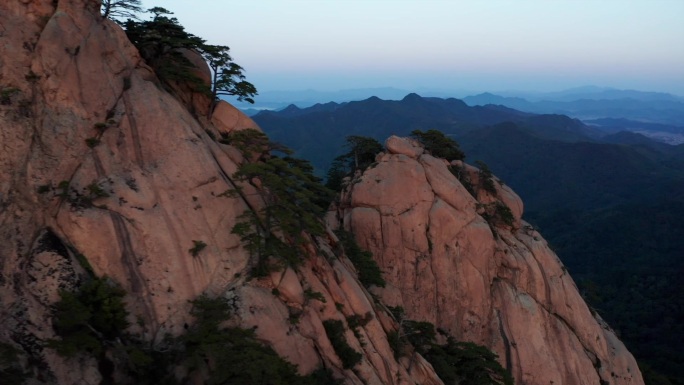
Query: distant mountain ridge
{"x": 587, "y": 102}
{"x": 316, "y": 132}
{"x": 594, "y": 93}
{"x": 649, "y": 107}
{"x": 496, "y": 134}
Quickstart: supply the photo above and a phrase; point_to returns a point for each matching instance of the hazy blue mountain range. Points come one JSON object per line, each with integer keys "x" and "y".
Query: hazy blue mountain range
{"x": 592, "y": 92}
{"x": 551, "y": 153}
{"x": 586, "y": 103}
{"x": 316, "y": 133}
{"x": 277, "y": 100}
{"x": 609, "y": 201}
{"x": 657, "y": 115}
{"x": 665, "y": 133}
{"x": 670, "y": 112}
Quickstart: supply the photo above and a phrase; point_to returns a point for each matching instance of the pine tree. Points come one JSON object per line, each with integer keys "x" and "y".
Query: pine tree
{"x": 228, "y": 78}
{"x": 125, "y": 9}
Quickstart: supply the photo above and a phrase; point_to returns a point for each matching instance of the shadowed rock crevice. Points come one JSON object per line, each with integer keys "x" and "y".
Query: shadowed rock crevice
{"x": 133, "y": 125}
{"x": 48, "y": 241}
{"x": 507, "y": 345}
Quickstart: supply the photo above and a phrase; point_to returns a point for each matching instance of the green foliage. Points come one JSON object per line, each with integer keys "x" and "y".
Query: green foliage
{"x": 462, "y": 176}
{"x": 454, "y": 362}
{"x": 228, "y": 78}
{"x": 293, "y": 195}
{"x": 627, "y": 262}
{"x": 211, "y": 134}
{"x": 84, "y": 198}
{"x": 396, "y": 343}
{"x": 6, "y": 95}
{"x": 64, "y": 187}
{"x": 467, "y": 363}
{"x": 83, "y": 262}
{"x": 196, "y": 247}
{"x": 335, "y": 175}
{"x": 486, "y": 178}
{"x": 294, "y": 317}
{"x": 420, "y": 334}
{"x": 125, "y": 9}
{"x": 318, "y": 296}
{"x": 210, "y": 312}
{"x": 504, "y": 213}
{"x": 44, "y": 188}
{"x": 334, "y": 329}
{"x": 88, "y": 318}
{"x": 232, "y": 355}
{"x": 498, "y": 214}
{"x": 398, "y": 312}
{"x": 266, "y": 247}
{"x": 323, "y": 377}
{"x": 356, "y": 321}
{"x": 653, "y": 377}
{"x": 253, "y": 144}
{"x": 294, "y": 201}
{"x": 361, "y": 154}
{"x": 438, "y": 144}
{"x": 94, "y": 191}
{"x": 11, "y": 371}
{"x": 92, "y": 142}
{"x": 162, "y": 42}
{"x": 369, "y": 271}
{"x": 93, "y": 321}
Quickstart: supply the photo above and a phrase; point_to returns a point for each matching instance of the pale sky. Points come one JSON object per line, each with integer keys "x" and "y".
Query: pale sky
{"x": 480, "y": 45}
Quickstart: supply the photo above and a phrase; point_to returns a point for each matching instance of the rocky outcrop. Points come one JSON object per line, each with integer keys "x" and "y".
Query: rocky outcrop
{"x": 104, "y": 169}
{"x": 450, "y": 258}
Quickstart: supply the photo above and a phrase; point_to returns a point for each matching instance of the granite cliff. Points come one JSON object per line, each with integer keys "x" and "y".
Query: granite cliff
{"x": 108, "y": 172}
{"x": 101, "y": 163}
{"x": 453, "y": 257}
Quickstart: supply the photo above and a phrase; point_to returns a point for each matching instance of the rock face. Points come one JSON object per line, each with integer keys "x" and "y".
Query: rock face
{"x": 104, "y": 170}
{"x": 101, "y": 164}
{"x": 450, "y": 258}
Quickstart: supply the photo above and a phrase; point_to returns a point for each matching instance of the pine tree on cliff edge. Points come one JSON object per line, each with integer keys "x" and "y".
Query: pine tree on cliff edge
{"x": 121, "y": 8}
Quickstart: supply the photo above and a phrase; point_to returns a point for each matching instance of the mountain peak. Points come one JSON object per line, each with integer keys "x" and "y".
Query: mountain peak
{"x": 291, "y": 108}
{"x": 412, "y": 97}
